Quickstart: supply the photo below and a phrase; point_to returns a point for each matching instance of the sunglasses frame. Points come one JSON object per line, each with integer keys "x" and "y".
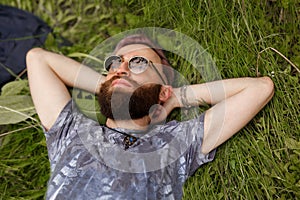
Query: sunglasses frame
{"x": 149, "y": 62}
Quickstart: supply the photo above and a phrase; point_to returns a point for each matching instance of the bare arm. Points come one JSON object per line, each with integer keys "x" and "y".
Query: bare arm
{"x": 235, "y": 102}
{"x": 49, "y": 75}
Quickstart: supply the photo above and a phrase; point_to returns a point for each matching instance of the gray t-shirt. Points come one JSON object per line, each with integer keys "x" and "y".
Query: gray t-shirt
{"x": 89, "y": 161}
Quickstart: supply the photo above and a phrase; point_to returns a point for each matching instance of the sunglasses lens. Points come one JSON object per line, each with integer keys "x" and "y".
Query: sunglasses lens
{"x": 112, "y": 63}
{"x": 138, "y": 64}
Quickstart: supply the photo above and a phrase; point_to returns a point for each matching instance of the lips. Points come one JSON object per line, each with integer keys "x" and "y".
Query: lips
{"x": 121, "y": 82}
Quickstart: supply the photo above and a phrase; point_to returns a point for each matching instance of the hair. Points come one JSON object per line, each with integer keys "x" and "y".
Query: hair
{"x": 142, "y": 39}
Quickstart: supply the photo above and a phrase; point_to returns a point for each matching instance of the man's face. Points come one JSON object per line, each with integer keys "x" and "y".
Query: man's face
{"x": 126, "y": 95}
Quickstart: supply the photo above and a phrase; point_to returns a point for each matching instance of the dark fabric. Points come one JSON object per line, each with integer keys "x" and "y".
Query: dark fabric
{"x": 19, "y": 32}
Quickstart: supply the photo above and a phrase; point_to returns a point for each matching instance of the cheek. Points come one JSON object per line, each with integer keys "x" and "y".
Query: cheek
{"x": 147, "y": 76}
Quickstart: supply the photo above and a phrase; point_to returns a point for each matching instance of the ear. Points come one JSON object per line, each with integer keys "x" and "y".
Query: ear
{"x": 165, "y": 93}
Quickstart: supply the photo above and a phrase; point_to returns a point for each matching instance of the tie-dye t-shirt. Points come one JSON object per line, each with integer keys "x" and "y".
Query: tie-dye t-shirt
{"x": 89, "y": 161}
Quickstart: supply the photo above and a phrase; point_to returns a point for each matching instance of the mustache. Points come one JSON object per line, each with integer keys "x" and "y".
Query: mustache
{"x": 134, "y": 83}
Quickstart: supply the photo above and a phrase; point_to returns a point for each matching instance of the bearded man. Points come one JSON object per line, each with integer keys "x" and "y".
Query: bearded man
{"x": 133, "y": 156}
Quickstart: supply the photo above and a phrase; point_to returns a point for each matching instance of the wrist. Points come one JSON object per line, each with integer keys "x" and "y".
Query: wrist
{"x": 183, "y": 97}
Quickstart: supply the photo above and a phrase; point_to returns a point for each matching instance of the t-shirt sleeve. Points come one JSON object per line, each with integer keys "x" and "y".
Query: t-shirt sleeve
{"x": 62, "y": 117}
{"x": 64, "y": 126}
{"x": 194, "y": 155}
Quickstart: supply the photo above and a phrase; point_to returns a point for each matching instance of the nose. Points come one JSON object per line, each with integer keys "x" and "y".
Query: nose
{"x": 123, "y": 69}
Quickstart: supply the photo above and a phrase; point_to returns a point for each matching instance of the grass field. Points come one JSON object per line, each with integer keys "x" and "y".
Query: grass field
{"x": 261, "y": 162}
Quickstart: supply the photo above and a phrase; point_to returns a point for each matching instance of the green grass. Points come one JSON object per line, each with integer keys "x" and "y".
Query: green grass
{"x": 261, "y": 162}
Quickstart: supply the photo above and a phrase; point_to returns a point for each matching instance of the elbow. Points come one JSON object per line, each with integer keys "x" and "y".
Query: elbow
{"x": 33, "y": 55}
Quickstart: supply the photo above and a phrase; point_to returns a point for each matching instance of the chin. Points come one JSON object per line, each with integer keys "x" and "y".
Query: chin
{"x": 121, "y": 90}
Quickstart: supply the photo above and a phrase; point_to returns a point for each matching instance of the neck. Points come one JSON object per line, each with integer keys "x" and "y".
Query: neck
{"x": 136, "y": 124}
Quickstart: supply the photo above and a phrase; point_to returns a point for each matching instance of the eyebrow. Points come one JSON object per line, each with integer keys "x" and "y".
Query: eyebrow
{"x": 122, "y": 56}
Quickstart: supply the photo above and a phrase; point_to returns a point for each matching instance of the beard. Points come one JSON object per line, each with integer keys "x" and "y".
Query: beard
{"x": 119, "y": 104}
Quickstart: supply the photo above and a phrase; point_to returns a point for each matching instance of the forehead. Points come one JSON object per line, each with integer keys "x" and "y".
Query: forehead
{"x": 138, "y": 50}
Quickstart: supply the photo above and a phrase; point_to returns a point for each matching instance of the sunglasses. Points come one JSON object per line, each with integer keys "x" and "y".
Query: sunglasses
{"x": 136, "y": 65}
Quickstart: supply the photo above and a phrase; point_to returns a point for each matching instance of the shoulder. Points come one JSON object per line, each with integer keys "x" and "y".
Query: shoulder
{"x": 68, "y": 122}
{"x": 191, "y": 125}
